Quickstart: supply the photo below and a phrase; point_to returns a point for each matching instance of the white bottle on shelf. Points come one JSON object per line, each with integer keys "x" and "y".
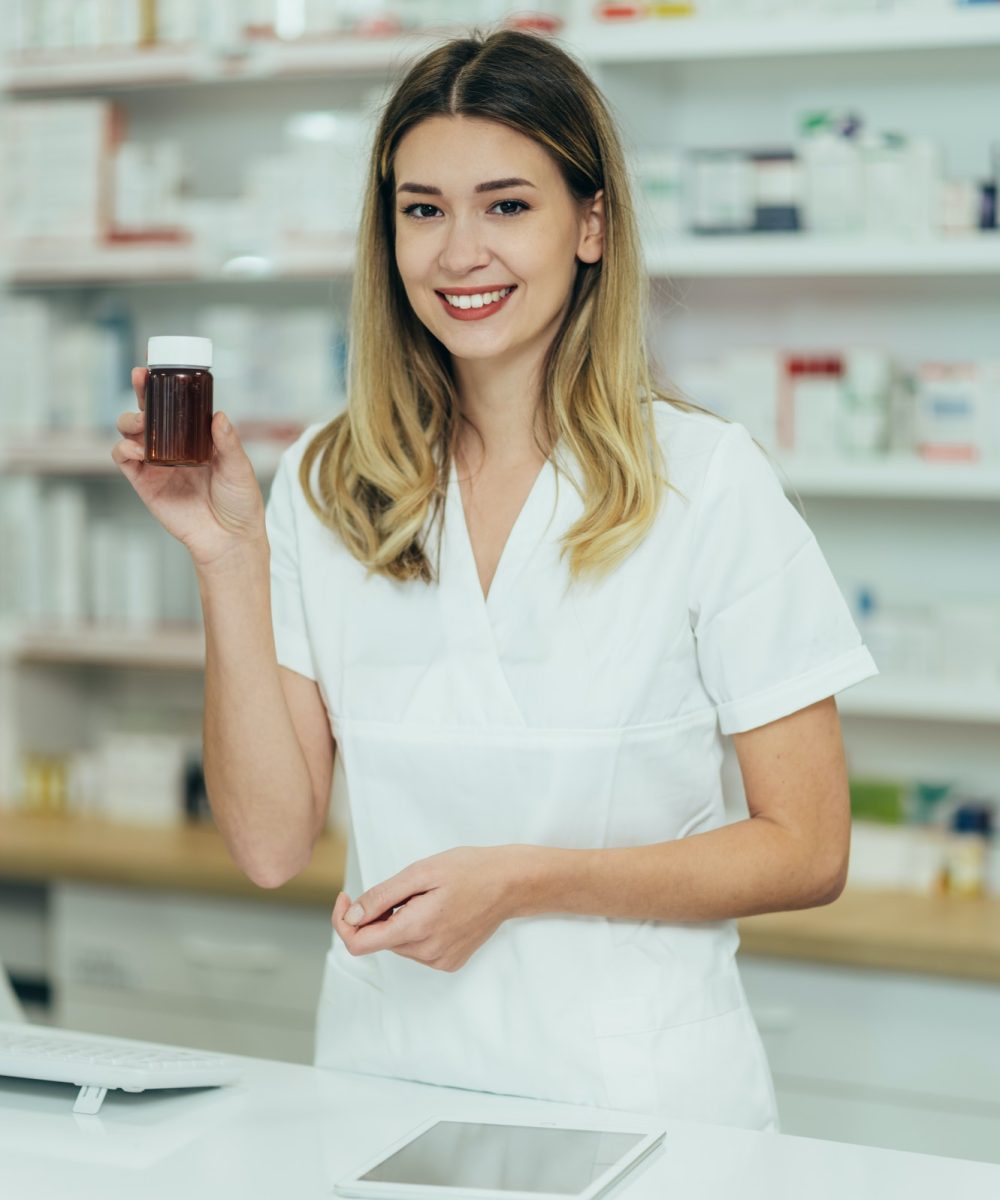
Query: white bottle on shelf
{"x": 66, "y": 529}
{"x": 886, "y": 180}
{"x": 832, "y": 178}
{"x": 864, "y": 412}
{"x": 920, "y": 216}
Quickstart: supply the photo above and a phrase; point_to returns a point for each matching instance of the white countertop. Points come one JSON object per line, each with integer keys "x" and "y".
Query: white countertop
{"x": 290, "y": 1130}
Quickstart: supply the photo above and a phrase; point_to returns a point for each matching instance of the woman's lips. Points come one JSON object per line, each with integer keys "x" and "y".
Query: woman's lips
{"x": 474, "y": 314}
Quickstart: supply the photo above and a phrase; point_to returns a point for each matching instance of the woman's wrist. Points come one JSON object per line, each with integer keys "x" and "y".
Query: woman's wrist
{"x": 246, "y": 557}
{"x": 539, "y": 879}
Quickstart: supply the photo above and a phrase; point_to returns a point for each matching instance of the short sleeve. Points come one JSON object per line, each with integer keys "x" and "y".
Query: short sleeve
{"x": 291, "y": 636}
{"x": 772, "y": 629}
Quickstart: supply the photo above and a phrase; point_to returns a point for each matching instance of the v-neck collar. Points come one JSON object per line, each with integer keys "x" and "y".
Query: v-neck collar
{"x": 529, "y": 525}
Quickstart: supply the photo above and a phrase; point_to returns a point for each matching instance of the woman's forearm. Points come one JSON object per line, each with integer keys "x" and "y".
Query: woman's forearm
{"x": 738, "y": 870}
{"x": 256, "y": 775}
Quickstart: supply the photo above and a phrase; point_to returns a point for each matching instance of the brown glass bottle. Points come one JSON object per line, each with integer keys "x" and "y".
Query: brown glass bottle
{"x": 179, "y": 402}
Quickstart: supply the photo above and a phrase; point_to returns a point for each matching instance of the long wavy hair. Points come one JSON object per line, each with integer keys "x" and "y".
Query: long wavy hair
{"x": 385, "y": 461}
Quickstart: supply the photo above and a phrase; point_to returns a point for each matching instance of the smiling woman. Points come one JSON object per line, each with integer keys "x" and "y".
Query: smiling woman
{"x": 519, "y": 594}
{"x": 496, "y": 168}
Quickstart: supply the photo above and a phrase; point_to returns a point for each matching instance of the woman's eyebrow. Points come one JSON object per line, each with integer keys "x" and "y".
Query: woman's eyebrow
{"x": 494, "y": 185}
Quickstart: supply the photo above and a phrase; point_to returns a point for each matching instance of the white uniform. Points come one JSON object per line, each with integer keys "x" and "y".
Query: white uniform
{"x": 581, "y": 717}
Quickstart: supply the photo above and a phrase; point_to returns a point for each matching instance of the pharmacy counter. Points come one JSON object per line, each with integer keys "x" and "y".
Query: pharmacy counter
{"x": 896, "y": 930}
{"x": 288, "y": 1130}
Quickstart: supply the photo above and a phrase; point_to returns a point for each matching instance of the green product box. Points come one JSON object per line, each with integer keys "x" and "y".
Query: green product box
{"x": 882, "y": 800}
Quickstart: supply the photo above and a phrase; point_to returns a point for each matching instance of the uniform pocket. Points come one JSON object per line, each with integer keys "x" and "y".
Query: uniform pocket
{"x": 350, "y": 1019}
{"x": 652, "y": 1047}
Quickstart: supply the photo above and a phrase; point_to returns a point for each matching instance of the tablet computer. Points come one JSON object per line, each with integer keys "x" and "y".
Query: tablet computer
{"x": 502, "y": 1160}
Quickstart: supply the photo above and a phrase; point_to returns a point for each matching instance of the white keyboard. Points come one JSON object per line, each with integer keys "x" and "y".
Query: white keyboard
{"x": 95, "y": 1063}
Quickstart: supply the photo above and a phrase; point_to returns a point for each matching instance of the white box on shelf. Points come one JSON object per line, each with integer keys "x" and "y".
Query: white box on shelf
{"x": 65, "y": 553}
{"x": 142, "y": 777}
{"x": 57, "y": 156}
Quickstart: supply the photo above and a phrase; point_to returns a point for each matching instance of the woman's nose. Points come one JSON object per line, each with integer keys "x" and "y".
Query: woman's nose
{"x": 464, "y": 247}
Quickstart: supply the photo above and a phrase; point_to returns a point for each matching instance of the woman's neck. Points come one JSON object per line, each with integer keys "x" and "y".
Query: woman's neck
{"x": 500, "y": 403}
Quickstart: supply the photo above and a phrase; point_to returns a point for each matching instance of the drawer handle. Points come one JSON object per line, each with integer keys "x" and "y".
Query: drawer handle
{"x": 224, "y": 956}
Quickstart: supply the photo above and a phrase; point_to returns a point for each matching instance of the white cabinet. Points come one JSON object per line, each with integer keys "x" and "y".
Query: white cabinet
{"x": 241, "y": 976}
{"x": 903, "y": 1061}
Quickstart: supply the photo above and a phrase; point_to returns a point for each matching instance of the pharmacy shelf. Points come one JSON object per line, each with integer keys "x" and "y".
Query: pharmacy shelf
{"x": 179, "y": 647}
{"x": 774, "y": 255}
{"x": 154, "y": 66}
{"x": 917, "y": 698}
{"x": 704, "y": 39}
{"x": 175, "y": 647}
{"x": 186, "y": 857}
{"x": 70, "y": 262}
{"x": 797, "y": 255}
{"x": 666, "y": 41}
{"x": 74, "y": 265}
{"x": 74, "y": 454}
{"x": 893, "y": 477}
{"x": 86, "y": 454}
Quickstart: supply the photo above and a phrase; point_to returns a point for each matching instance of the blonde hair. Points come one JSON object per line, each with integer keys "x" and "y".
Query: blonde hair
{"x": 385, "y": 461}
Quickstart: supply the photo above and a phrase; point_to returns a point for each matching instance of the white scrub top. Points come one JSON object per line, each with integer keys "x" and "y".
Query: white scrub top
{"x": 581, "y": 717}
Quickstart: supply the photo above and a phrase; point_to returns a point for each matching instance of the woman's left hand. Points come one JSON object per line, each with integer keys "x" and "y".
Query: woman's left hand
{"x": 451, "y": 904}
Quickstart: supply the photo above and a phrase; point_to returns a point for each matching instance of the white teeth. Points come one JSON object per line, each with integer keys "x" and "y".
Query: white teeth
{"x": 478, "y": 300}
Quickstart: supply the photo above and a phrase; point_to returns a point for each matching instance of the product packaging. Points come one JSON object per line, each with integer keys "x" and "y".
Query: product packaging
{"x": 832, "y": 179}
{"x": 777, "y": 191}
{"x": 810, "y": 405}
{"x": 963, "y": 871}
{"x": 864, "y": 411}
{"x": 659, "y": 178}
{"x": 66, "y": 536}
{"x": 142, "y": 777}
{"x": 954, "y": 421}
{"x": 720, "y": 192}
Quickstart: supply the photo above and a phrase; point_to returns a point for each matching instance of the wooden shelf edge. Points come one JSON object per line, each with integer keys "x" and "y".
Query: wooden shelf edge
{"x": 886, "y": 929}
{"x": 182, "y": 857}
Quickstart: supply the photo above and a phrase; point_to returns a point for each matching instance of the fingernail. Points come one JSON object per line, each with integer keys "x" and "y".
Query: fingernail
{"x": 223, "y": 423}
{"x": 354, "y": 914}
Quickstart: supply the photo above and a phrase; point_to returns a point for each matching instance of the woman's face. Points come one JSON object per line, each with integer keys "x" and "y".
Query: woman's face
{"x": 452, "y": 239}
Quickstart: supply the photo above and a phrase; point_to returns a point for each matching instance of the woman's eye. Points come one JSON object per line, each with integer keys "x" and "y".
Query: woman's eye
{"x": 411, "y": 209}
{"x": 520, "y": 205}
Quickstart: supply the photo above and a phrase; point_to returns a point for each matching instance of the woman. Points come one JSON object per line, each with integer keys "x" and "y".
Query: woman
{"x": 518, "y": 596}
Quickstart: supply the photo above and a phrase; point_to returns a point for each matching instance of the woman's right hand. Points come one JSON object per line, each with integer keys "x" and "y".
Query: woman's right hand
{"x": 212, "y": 509}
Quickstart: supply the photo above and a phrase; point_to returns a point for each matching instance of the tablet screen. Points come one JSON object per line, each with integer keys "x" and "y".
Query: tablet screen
{"x": 515, "y": 1158}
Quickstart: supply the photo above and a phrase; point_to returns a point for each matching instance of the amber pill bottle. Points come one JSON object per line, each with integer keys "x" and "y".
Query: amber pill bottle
{"x": 179, "y": 401}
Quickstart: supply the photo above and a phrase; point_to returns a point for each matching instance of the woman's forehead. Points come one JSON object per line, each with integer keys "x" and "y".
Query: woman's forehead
{"x": 454, "y": 153}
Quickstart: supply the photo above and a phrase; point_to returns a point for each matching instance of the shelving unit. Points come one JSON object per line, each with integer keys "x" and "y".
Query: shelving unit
{"x": 81, "y": 454}
{"x": 175, "y": 647}
{"x": 180, "y": 648}
{"x": 782, "y": 266}
{"x": 890, "y": 477}
{"x": 923, "y": 531}
{"x": 916, "y": 698}
{"x": 73, "y": 266}
{"x": 762, "y": 256}
{"x": 695, "y": 39}
{"x": 812, "y": 34}
{"x": 158, "y": 67}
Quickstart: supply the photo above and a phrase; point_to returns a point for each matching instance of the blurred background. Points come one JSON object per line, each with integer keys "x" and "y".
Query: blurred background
{"x": 817, "y": 187}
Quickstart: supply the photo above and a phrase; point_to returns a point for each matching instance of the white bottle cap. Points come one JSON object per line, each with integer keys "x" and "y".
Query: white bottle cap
{"x": 179, "y": 352}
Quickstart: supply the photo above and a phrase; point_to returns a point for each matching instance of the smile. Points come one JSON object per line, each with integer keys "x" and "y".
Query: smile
{"x": 474, "y": 307}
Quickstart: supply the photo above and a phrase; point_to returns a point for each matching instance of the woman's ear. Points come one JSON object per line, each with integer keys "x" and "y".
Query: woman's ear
{"x": 591, "y": 244}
